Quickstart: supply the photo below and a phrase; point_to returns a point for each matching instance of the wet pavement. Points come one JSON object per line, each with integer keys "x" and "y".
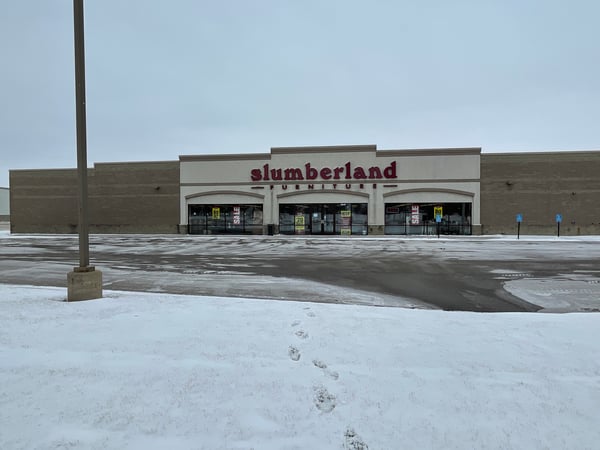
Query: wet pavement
{"x": 450, "y": 274}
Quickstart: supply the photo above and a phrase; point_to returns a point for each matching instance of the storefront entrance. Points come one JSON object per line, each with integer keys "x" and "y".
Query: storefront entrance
{"x": 322, "y": 221}
{"x": 327, "y": 218}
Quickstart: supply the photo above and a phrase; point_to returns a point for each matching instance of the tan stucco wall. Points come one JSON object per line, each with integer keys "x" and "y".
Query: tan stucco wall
{"x": 539, "y": 186}
{"x": 440, "y": 174}
{"x": 123, "y": 198}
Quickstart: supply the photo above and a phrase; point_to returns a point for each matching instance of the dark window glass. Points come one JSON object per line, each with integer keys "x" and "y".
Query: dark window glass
{"x": 419, "y": 218}
{"x": 323, "y": 218}
{"x": 225, "y": 219}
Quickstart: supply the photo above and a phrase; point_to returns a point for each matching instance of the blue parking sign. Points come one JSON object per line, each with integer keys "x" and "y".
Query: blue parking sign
{"x": 519, "y": 218}
{"x": 558, "y": 218}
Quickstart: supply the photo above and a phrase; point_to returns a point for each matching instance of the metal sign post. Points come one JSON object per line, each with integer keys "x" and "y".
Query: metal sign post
{"x": 519, "y": 220}
{"x": 558, "y": 221}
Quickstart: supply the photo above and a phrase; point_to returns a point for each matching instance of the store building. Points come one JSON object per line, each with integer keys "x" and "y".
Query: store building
{"x": 131, "y": 197}
{"x": 343, "y": 190}
{"x": 539, "y": 186}
{"x": 340, "y": 190}
{"x": 4, "y": 204}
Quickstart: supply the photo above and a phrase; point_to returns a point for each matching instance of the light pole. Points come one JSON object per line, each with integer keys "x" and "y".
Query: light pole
{"x": 84, "y": 282}
{"x": 84, "y": 253}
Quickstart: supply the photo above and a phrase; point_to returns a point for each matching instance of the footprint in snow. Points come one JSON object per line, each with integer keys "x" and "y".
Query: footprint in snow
{"x": 324, "y": 400}
{"x": 353, "y": 441}
{"x": 301, "y": 334}
{"x": 309, "y": 313}
{"x": 321, "y": 365}
{"x": 295, "y": 323}
{"x": 294, "y": 353}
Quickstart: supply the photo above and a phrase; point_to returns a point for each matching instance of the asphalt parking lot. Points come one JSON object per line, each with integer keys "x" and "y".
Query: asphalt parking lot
{"x": 450, "y": 274}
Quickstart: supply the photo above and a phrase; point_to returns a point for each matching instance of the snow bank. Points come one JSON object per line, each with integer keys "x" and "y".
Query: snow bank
{"x": 153, "y": 371}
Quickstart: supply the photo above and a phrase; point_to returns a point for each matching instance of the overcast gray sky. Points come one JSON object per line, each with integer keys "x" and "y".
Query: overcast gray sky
{"x": 166, "y": 78}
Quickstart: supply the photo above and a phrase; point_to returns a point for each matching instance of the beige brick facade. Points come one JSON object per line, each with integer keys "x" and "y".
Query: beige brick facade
{"x": 131, "y": 197}
{"x": 539, "y": 186}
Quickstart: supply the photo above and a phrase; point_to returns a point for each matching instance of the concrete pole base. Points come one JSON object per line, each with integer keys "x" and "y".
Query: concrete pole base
{"x": 84, "y": 283}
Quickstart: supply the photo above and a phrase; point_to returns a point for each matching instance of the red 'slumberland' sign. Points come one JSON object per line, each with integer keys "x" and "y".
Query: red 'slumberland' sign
{"x": 345, "y": 172}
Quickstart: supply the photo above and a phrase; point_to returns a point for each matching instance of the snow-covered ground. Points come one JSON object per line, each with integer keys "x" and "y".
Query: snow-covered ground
{"x": 156, "y": 371}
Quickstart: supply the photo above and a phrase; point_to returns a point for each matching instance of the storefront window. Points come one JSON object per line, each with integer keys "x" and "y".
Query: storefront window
{"x": 420, "y": 218}
{"x": 225, "y": 219}
{"x": 326, "y": 218}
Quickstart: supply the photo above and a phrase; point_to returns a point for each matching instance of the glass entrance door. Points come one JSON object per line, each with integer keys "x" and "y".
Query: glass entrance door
{"x": 322, "y": 219}
{"x": 325, "y": 218}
